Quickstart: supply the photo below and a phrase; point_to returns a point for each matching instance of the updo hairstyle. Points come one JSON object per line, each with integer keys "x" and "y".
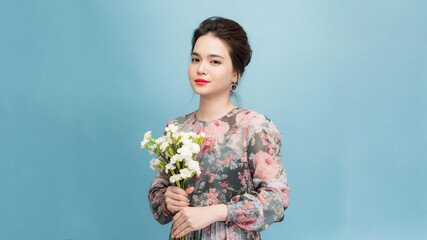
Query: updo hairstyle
{"x": 233, "y": 35}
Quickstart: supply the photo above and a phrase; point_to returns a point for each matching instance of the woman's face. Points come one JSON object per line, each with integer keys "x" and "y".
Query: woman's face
{"x": 211, "y": 61}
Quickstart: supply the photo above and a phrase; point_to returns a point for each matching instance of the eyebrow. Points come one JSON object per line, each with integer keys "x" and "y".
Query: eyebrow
{"x": 210, "y": 55}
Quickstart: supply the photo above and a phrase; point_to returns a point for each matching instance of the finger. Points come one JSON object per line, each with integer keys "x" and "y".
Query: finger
{"x": 176, "y": 224}
{"x": 174, "y": 210}
{"x": 189, "y": 190}
{"x": 181, "y": 230}
{"x": 177, "y": 216}
{"x": 178, "y": 195}
{"x": 176, "y": 205}
{"x": 180, "y": 226}
{"x": 180, "y": 191}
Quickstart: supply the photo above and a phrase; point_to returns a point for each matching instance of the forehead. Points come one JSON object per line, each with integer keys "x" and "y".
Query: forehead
{"x": 209, "y": 44}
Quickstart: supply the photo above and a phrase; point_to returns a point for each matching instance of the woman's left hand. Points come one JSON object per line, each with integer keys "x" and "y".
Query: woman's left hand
{"x": 194, "y": 218}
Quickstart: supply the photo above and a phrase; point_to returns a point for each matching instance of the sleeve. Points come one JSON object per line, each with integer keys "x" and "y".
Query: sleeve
{"x": 156, "y": 193}
{"x": 256, "y": 210}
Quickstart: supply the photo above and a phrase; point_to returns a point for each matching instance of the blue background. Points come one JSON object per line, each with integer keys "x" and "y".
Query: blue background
{"x": 82, "y": 81}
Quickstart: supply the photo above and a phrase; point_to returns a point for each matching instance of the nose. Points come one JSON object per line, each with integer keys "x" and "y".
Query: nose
{"x": 201, "y": 69}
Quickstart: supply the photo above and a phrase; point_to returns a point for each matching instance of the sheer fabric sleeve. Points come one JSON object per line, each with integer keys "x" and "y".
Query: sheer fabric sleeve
{"x": 258, "y": 209}
{"x": 156, "y": 192}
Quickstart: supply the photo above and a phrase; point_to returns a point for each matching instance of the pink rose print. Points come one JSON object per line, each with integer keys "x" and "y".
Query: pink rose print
{"x": 239, "y": 148}
{"x": 209, "y": 173}
{"x": 207, "y": 145}
{"x": 262, "y": 198}
{"x": 243, "y": 221}
{"x": 235, "y": 130}
{"x": 242, "y": 179}
{"x": 247, "y": 206}
{"x": 265, "y": 166}
{"x": 229, "y": 159}
{"x": 277, "y": 133}
{"x": 270, "y": 151}
{"x": 235, "y": 198}
{"x": 217, "y": 129}
{"x": 212, "y": 196}
{"x": 264, "y": 139}
{"x": 244, "y": 117}
{"x": 224, "y": 184}
{"x": 233, "y": 235}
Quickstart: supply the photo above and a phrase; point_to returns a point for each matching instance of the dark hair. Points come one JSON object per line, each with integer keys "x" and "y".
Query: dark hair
{"x": 233, "y": 34}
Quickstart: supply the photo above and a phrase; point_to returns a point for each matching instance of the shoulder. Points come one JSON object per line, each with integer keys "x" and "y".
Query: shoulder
{"x": 257, "y": 122}
{"x": 180, "y": 120}
{"x": 251, "y": 117}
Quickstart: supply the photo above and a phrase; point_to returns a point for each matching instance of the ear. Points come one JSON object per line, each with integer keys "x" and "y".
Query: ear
{"x": 236, "y": 76}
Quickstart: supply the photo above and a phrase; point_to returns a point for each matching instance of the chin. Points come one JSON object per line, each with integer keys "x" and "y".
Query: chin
{"x": 198, "y": 90}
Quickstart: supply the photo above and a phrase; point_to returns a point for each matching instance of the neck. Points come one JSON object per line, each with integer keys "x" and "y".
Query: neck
{"x": 212, "y": 108}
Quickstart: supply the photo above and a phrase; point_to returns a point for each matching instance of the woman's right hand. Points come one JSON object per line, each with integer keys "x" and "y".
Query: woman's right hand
{"x": 177, "y": 198}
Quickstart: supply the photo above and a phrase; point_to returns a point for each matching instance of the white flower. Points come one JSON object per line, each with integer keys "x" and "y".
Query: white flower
{"x": 185, "y": 151}
{"x": 147, "y": 134}
{"x": 173, "y": 128}
{"x": 194, "y": 147}
{"x": 160, "y": 140}
{"x": 192, "y": 134}
{"x": 153, "y": 147}
{"x": 151, "y": 152}
{"x": 170, "y": 166}
{"x": 202, "y": 134}
{"x": 185, "y": 173}
{"x": 186, "y": 141}
{"x": 193, "y": 165}
{"x": 175, "y": 178}
{"x": 175, "y": 158}
{"x": 154, "y": 162}
{"x": 164, "y": 145}
{"x": 144, "y": 142}
{"x": 183, "y": 136}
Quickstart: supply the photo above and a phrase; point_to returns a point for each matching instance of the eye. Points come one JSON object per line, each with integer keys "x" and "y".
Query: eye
{"x": 194, "y": 59}
{"x": 216, "y": 62}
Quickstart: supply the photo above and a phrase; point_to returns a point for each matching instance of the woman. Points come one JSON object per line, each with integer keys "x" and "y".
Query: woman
{"x": 243, "y": 187}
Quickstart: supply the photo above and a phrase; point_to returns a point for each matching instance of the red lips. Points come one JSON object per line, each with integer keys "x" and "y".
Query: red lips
{"x": 201, "y": 81}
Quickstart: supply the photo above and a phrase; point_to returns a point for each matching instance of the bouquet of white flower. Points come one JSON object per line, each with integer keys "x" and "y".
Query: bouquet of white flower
{"x": 175, "y": 152}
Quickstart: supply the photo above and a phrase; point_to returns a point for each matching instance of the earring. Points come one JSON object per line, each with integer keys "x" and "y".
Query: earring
{"x": 234, "y": 87}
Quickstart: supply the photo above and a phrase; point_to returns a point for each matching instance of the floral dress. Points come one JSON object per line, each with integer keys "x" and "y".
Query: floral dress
{"x": 241, "y": 166}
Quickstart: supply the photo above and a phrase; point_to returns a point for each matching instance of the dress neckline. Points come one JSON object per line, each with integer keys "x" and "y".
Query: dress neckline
{"x": 219, "y": 118}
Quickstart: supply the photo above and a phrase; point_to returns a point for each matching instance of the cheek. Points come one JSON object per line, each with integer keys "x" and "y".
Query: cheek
{"x": 226, "y": 73}
{"x": 191, "y": 70}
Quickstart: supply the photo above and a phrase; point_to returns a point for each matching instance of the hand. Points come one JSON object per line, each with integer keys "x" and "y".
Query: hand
{"x": 177, "y": 198}
{"x": 194, "y": 218}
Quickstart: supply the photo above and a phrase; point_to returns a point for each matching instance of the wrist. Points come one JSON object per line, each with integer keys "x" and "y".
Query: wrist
{"x": 220, "y": 212}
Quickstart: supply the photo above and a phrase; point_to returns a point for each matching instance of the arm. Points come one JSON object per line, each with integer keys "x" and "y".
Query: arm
{"x": 156, "y": 198}
{"x": 258, "y": 209}
{"x": 194, "y": 218}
